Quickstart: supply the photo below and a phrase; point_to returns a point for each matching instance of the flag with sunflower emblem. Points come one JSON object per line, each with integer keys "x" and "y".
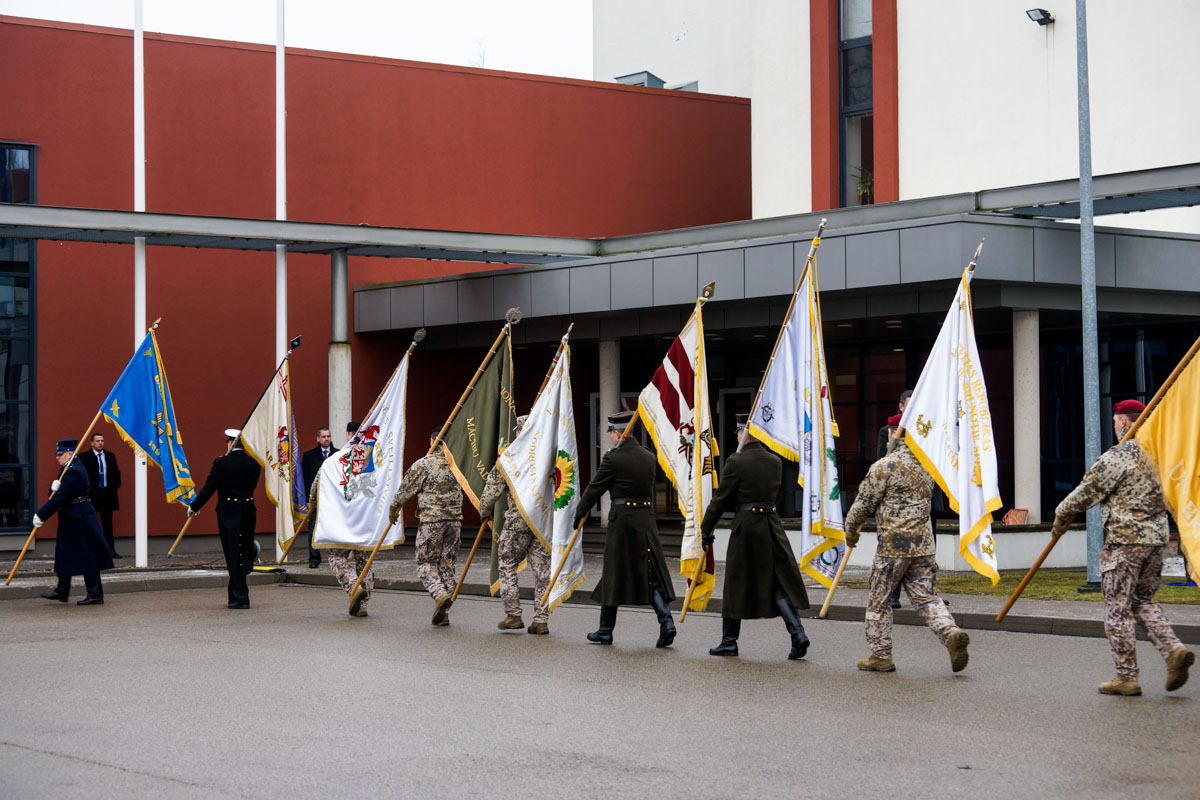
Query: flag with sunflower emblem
{"x": 541, "y": 467}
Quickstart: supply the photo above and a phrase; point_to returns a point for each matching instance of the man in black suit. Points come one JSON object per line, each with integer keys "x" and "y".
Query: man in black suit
{"x": 310, "y": 465}
{"x": 104, "y": 479}
{"x": 233, "y": 478}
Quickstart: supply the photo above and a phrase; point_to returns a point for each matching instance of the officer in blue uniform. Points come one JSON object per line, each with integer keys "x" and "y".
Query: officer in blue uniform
{"x": 80, "y": 548}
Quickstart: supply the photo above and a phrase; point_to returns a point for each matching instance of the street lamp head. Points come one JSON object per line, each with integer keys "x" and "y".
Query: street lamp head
{"x": 1040, "y": 15}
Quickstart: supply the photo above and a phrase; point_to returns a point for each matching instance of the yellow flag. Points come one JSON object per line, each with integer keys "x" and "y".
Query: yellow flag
{"x": 1171, "y": 435}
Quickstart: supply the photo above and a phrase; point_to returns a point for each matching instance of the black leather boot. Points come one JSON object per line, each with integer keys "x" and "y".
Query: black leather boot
{"x": 95, "y": 590}
{"x": 62, "y": 591}
{"x": 608, "y": 621}
{"x": 666, "y": 623}
{"x": 792, "y": 621}
{"x": 730, "y": 629}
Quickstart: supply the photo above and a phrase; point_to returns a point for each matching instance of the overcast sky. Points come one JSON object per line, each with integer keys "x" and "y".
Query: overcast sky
{"x": 546, "y": 37}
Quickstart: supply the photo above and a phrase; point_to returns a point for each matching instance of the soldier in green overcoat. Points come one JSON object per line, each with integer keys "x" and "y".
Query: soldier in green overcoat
{"x": 761, "y": 576}
{"x": 635, "y": 572}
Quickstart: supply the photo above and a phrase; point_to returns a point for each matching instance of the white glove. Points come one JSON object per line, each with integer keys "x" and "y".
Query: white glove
{"x": 54, "y": 486}
{"x": 37, "y": 521}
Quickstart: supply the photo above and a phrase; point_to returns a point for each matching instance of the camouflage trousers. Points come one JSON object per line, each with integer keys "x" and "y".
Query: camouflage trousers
{"x": 347, "y": 565}
{"x": 515, "y": 546}
{"x": 437, "y": 550}
{"x": 920, "y": 582}
{"x": 1130, "y": 575}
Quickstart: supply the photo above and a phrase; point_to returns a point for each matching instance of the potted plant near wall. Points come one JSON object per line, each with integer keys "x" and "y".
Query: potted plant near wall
{"x": 865, "y": 187}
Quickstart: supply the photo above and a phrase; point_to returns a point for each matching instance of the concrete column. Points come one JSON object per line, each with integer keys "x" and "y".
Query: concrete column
{"x": 1027, "y": 414}
{"x": 610, "y": 400}
{"x": 340, "y": 409}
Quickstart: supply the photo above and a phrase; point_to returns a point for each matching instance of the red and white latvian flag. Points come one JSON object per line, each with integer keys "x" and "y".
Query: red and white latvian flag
{"x": 948, "y": 425}
{"x": 674, "y": 409}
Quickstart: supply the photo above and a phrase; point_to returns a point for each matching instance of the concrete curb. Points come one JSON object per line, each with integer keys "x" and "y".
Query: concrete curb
{"x": 155, "y": 580}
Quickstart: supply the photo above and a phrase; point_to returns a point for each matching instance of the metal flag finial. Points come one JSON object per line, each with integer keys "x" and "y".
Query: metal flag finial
{"x": 154, "y": 325}
{"x": 513, "y": 315}
{"x": 419, "y": 336}
{"x": 975, "y": 258}
{"x": 708, "y": 291}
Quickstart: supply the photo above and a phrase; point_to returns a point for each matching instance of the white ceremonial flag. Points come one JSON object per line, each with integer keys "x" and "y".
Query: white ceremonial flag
{"x": 674, "y": 408}
{"x": 793, "y": 416}
{"x": 541, "y": 467}
{"x": 269, "y": 438}
{"x": 358, "y": 482}
{"x": 948, "y": 426}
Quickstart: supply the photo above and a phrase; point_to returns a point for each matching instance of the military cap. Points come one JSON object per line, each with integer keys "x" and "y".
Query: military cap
{"x": 894, "y": 420}
{"x": 1129, "y": 407}
{"x": 521, "y": 420}
{"x": 742, "y": 420}
{"x": 232, "y": 433}
{"x": 618, "y": 421}
{"x": 65, "y": 445}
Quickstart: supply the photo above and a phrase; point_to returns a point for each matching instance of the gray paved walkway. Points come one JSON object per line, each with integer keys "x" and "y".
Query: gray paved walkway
{"x": 169, "y": 694}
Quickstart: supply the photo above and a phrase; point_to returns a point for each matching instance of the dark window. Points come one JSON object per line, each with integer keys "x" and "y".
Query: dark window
{"x": 856, "y": 146}
{"x": 18, "y": 184}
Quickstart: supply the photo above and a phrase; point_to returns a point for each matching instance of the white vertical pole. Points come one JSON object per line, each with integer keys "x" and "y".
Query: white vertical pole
{"x": 141, "y": 542}
{"x": 281, "y": 334}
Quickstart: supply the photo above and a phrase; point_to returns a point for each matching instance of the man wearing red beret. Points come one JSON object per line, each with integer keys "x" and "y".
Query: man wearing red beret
{"x": 1124, "y": 481}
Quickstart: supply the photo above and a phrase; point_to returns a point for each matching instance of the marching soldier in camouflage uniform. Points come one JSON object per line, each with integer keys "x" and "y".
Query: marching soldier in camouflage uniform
{"x": 897, "y": 490}
{"x": 347, "y": 564}
{"x": 1125, "y": 483}
{"x": 439, "y": 511}
{"x": 517, "y": 542}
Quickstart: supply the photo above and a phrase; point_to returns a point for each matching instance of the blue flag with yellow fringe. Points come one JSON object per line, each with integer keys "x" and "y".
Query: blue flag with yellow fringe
{"x": 140, "y": 408}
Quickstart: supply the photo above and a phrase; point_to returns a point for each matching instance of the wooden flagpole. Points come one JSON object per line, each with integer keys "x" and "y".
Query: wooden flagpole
{"x": 571, "y": 544}
{"x": 182, "y": 530}
{"x": 837, "y": 578}
{"x": 470, "y": 557}
{"x": 33, "y": 533}
{"x": 1129, "y": 433}
{"x": 687, "y": 598}
{"x": 511, "y": 317}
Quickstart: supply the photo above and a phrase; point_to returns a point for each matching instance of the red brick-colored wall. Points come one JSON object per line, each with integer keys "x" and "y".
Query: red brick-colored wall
{"x": 369, "y": 140}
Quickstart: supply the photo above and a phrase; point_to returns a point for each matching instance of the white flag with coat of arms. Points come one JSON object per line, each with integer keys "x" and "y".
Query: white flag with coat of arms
{"x": 948, "y": 426}
{"x": 269, "y": 437}
{"x": 358, "y": 482}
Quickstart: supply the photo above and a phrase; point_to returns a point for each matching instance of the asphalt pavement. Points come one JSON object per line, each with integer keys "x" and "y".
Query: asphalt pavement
{"x": 168, "y": 693}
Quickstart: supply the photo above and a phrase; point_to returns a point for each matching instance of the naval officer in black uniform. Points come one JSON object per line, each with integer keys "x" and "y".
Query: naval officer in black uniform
{"x": 232, "y": 479}
{"x": 80, "y": 548}
{"x": 635, "y": 572}
{"x": 761, "y": 576}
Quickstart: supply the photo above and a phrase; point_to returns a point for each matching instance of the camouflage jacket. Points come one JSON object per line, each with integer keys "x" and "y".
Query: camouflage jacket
{"x": 1125, "y": 483}
{"x": 312, "y": 499}
{"x": 431, "y": 481}
{"x": 494, "y": 489}
{"x": 897, "y": 490}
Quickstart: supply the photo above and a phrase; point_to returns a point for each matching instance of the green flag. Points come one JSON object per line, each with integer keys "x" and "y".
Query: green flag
{"x": 484, "y": 426}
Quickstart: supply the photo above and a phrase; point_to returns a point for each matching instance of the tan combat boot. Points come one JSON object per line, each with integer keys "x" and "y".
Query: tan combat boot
{"x": 1177, "y": 667}
{"x": 511, "y": 623}
{"x": 356, "y": 600}
{"x": 957, "y": 645}
{"x": 539, "y": 629}
{"x": 1118, "y": 686}
{"x": 362, "y": 612}
{"x": 439, "y": 610}
{"x": 877, "y": 664}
